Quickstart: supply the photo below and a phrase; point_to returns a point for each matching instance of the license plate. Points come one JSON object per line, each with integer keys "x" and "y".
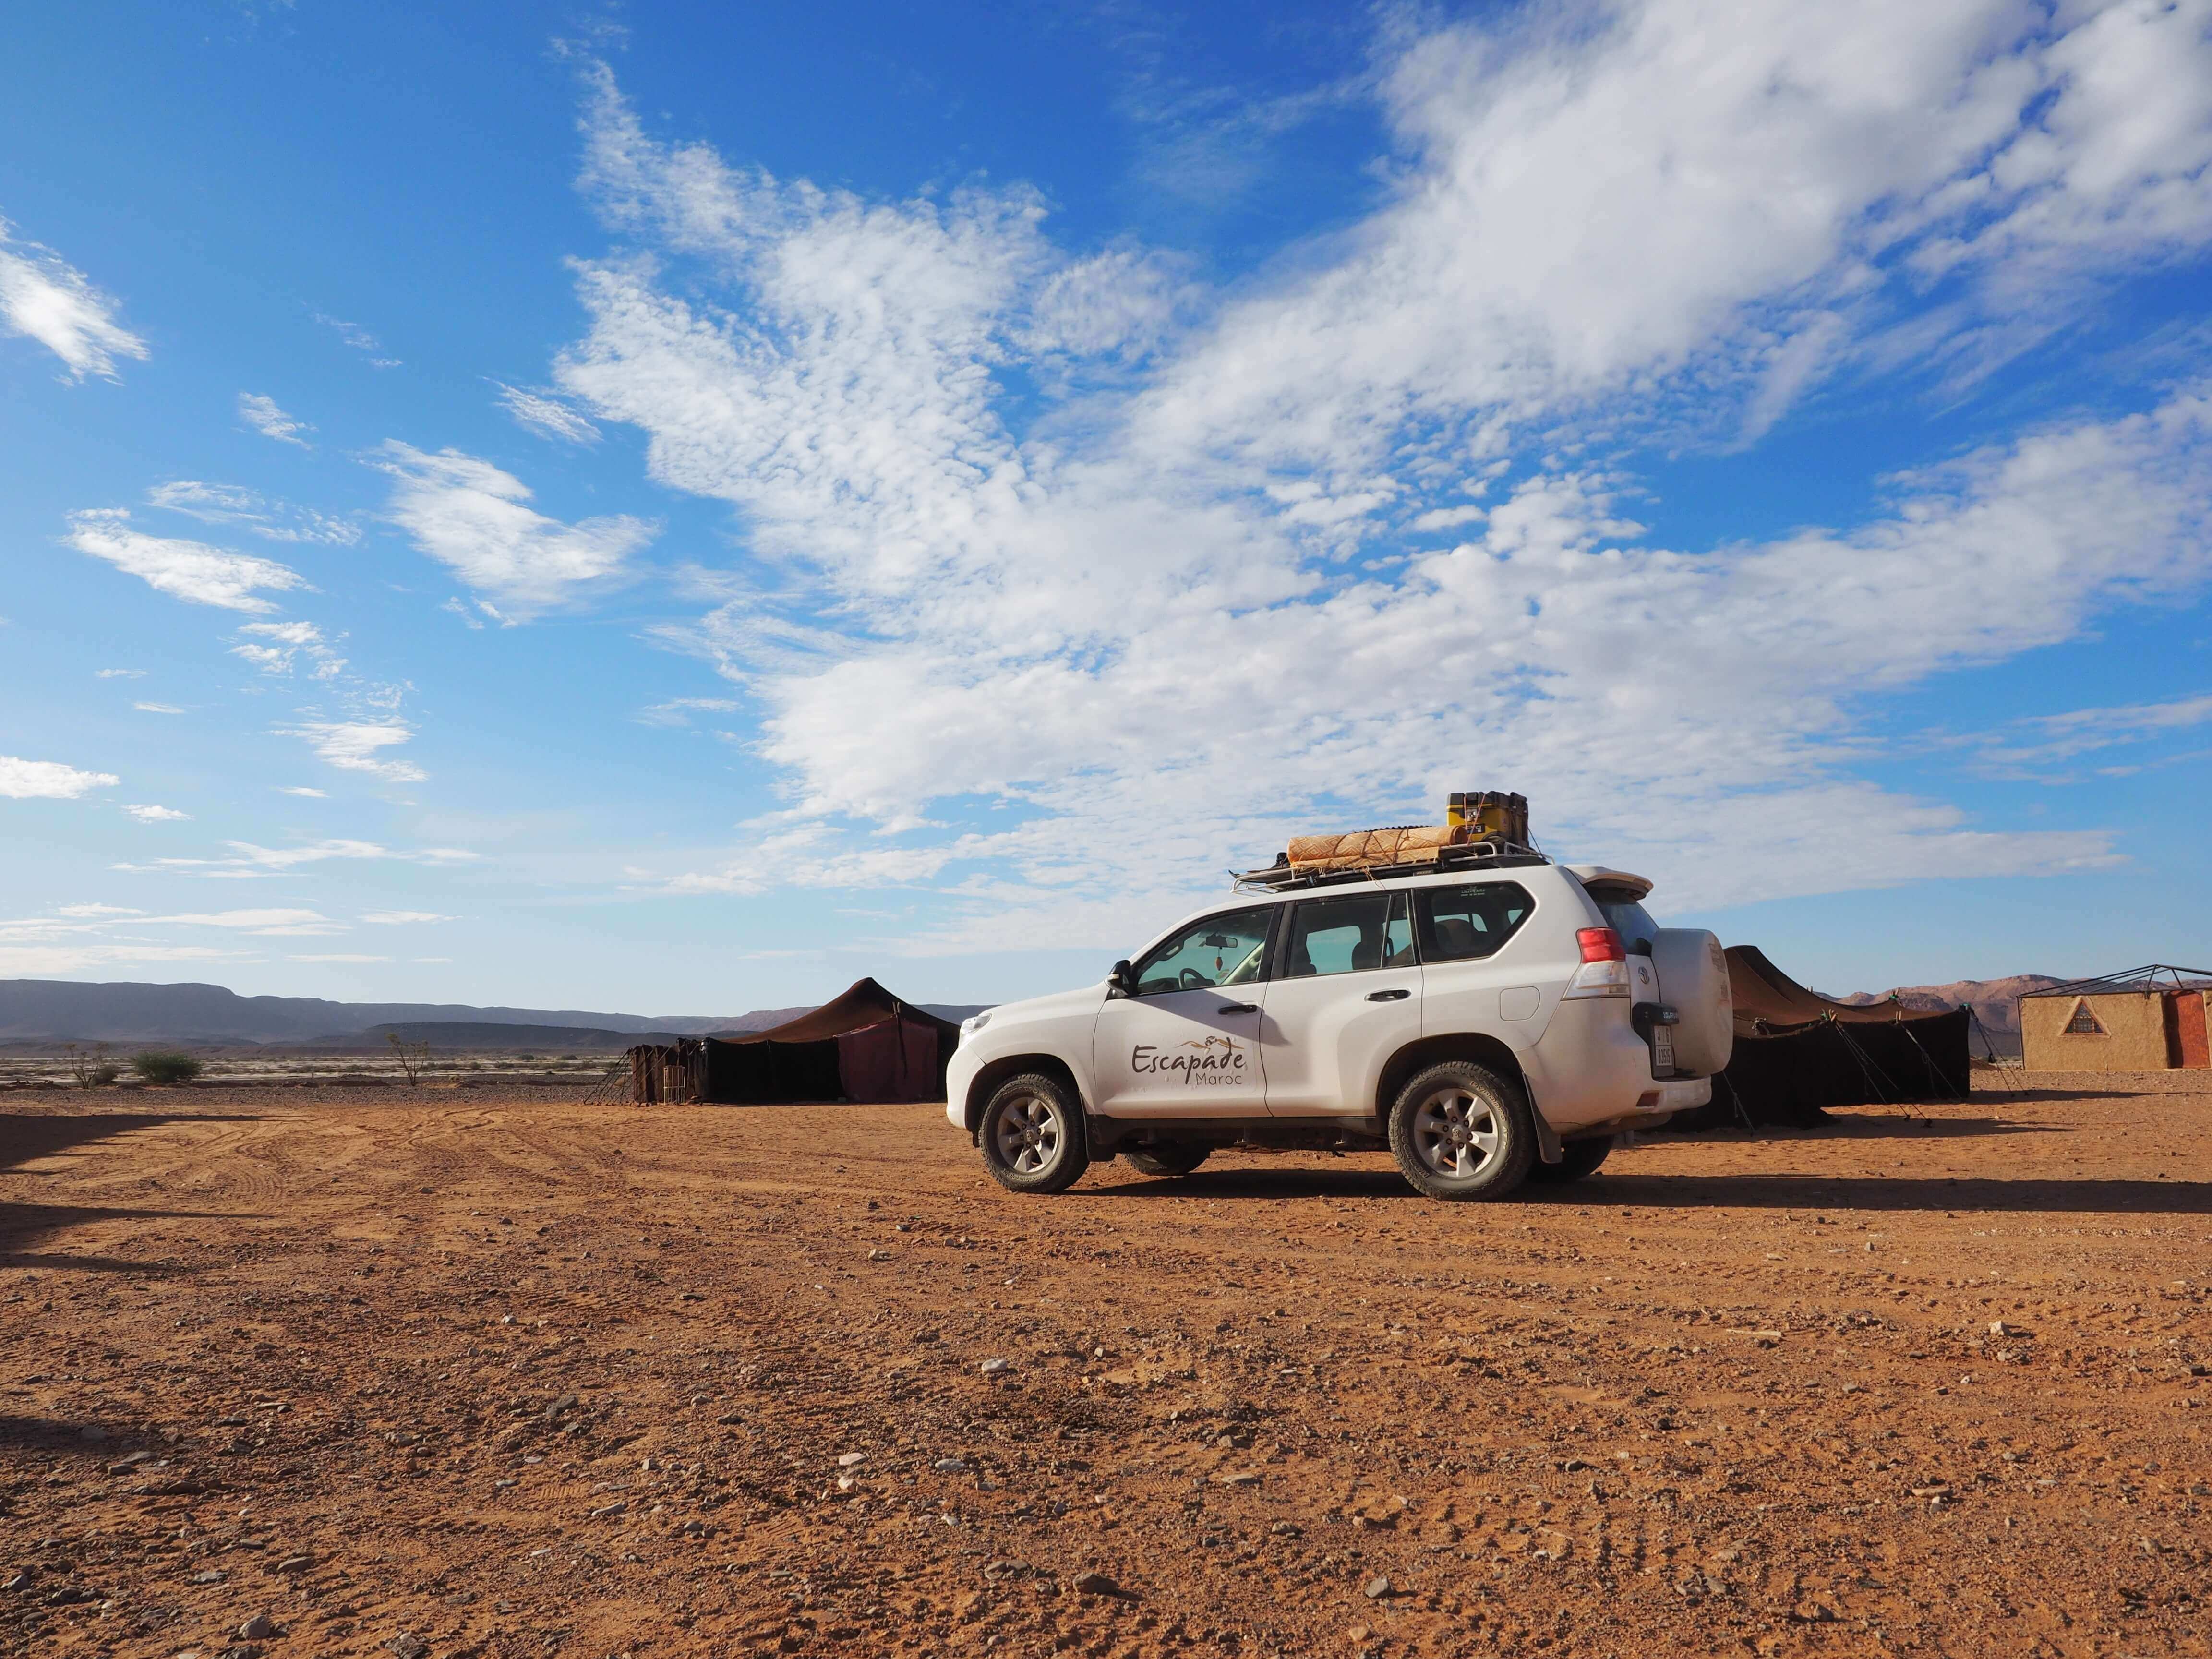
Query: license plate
{"x": 1663, "y": 1048}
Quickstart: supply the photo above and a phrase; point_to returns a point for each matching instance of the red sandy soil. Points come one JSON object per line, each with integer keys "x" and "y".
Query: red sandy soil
{"x": 427, "y": 1375}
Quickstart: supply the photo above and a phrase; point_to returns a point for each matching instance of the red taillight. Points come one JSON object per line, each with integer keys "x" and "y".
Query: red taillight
{"x": 1600, "y": 944}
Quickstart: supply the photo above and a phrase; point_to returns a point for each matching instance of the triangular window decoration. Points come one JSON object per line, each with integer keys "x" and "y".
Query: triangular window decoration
{"x": 2083, "y": 1023}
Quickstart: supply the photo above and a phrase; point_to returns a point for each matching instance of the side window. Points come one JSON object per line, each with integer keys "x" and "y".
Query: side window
{"x": 1347, "y": 936}
{"x": 1464, "y": 924}
{"x": 1223, "y": 950}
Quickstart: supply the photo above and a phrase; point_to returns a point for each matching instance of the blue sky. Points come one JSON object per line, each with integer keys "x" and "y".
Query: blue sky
{"x": 668, "y": 510}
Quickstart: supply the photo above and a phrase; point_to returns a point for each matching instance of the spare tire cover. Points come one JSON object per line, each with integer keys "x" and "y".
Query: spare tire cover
{"x": 1693, "y": 979}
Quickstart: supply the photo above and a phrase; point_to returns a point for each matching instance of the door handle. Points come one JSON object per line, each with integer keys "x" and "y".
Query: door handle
{"x": 1238, "y": 1008}
{"x": 1387, "y": 996}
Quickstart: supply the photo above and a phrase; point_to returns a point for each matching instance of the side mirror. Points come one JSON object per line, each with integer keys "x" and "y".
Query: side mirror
{"x": 1117, "y": 979}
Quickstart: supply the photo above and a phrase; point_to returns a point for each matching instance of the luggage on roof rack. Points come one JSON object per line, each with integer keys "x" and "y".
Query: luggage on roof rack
{"x": 1481, "y": 827}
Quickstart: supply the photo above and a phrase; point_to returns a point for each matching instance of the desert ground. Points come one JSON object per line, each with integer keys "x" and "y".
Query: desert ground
{"x": 423, "y": 1373}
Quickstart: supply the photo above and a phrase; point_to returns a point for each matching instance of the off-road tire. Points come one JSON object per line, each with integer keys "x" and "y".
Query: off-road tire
{"x": 1166, "y": 1157}
{"x": 1576, "y": 1159}
{"x": 1032, "y": 1137}
{"x": 1495, "y": 1152}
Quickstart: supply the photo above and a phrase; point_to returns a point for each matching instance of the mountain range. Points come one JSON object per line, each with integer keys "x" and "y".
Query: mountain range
{"x": 41, "y": 1011}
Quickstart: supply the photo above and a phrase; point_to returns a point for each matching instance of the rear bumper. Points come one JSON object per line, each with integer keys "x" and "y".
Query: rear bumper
{"x": 1591, "y": 1068}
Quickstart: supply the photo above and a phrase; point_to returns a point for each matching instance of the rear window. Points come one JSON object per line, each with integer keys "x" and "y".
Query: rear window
{"x": 1627, "y": 917}
{"x": 1464, "y": 924}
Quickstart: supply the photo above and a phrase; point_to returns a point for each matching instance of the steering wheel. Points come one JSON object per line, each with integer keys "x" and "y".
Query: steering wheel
{"x": 1191, "y": 980}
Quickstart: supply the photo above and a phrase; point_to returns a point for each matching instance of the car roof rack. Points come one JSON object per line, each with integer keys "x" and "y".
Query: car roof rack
{"x": 1281, "y": 876}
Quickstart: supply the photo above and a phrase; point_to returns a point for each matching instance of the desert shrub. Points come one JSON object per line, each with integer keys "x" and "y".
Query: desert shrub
{"x": 91, "y": 1068}
{"x": 156, "y": 1067}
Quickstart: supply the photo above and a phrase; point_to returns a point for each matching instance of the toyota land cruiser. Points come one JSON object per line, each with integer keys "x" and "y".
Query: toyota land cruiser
{"x": 1486, "y": 1020}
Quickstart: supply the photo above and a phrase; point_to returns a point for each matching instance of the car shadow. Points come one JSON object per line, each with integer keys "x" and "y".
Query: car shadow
{"x": 24, "y": 1225}
{"x": 1775, "y": 1192}
{"x": 1858, "y": 1124}
{"x": 25, "y": 1136}
{"x": 65, "y": 1437}
{"x": 2001, "y": 1093}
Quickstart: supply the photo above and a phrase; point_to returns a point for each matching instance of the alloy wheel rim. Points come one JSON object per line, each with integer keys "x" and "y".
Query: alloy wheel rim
{"x": 1457, "y": 1133}
{"x": 1029, "y": 1136}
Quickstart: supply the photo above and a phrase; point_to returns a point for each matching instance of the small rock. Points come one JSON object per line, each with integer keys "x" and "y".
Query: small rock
{"x": 950, "y": 1465}
{"x": 70, "y": 1596}
{"x": 407, "y": 1645}
{"x": 852, "y": 1459}
{"x": 1097, "y": 1583}
{"x": 295, "y": 1564}
{"x": 1238, "y": 1478}
{"x": 92, "y": 1431}
{"x": 1359, "y": 1633}
{"x": 996, "y": 1367}
{"x": 259, "y": 1628}
{"x": 1377, "y": 1589}
{"x": 211, "y": 1576}
{"x": 1287, "y": 1529}
{"x": 924, "y": 1336}
{"x": 880, "y": 1255}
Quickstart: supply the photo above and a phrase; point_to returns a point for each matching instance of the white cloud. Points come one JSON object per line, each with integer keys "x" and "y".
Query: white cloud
{"x": 118, "y": 674}
{"x": 27, "y": 780}
{"x": 2029, "y": 749}
{"x": 547, "y": 417}
{"x": 263, "y": 414}
{"x": 271, "y": 923}
{"x": 184, "y": 570}
{"x": 345, "y": 956}
{"x": 400, "y": 918}
{"x": 469, "y": 516}
{"x": 678, "y": 711}
{"x": 157, "y": 814}
{"x": 353, "y": 746}
{"x": 360, "y": 339}
{"x": 47, "y": 961}
{"x": 247, "y": 861}
{"x": 157, "y": 708}
{"x": 229, "y": 504}
{"x": 1138, "y": 627}
{"x": 44, "y": 298}
{"x": 76, "y": 936}
{"x": 301, "y": 789}
{"x": 274, "y": 647}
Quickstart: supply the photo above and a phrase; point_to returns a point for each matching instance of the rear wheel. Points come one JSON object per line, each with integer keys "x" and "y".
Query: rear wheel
{"x": 1032, "y": 1135}
{"x": 1460, "y": 1131}
{"x": 1166, "y": 1157}
{"x": 1576, "y": 1159}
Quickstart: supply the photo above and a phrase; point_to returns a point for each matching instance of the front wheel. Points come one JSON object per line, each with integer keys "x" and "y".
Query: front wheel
{"x": 1460, "y": 1131}
{"x": 1576, "y": 1159}
{"x": 1166, "y": 1158}
{"x": 1032, "y": 1135}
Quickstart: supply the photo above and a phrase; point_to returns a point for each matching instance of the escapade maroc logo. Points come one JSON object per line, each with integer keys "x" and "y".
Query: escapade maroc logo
{"x": 1203, "y": 1062}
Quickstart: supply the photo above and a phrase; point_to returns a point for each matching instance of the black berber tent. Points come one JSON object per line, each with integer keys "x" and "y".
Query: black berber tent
{"x": 865, "y": 1045}
{"x": 1798, "y": 1052}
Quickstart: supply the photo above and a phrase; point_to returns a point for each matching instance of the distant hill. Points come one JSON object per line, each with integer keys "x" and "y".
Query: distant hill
{"x": 66, "y": 1010}
{"x": 449, "y": 1034}
{"x": 1991, "y": 1000}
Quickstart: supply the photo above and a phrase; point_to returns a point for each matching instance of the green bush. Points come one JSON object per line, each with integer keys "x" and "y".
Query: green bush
{"x": 101, "y": 1075}
{"x": 155, "y": 1067}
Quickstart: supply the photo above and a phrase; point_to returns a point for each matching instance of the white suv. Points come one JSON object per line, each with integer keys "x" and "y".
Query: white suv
{"x": 1499, "y": 1020}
